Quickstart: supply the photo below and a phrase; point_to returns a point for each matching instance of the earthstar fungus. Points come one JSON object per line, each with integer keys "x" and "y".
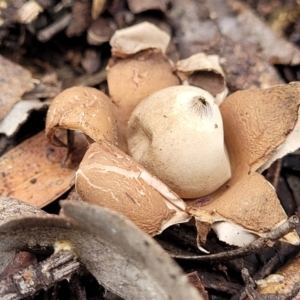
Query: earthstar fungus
{"x": 177, "y": 134}
{"x": 246, "y": 203}
{"x": 137, "y": 69}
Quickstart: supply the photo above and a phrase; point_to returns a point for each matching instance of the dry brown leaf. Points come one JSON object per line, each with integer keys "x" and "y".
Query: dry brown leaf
{"x": 122, "y": 258}
{"x": 15, "y": 81}
{"x": 32, "y": 172}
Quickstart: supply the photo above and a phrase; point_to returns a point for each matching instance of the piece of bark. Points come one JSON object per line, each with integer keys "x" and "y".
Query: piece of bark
{"x": 33, "y": 172}
{"x": 11, "y": 208}
{"x": 198, "y": 29}
{"x": 19, "y": 114}
{"x": 14, "y": 82}
{"x": 217, "y": 282}
{"x": 21, "y": 261}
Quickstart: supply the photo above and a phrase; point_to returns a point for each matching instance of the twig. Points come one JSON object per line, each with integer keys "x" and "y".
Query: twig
{"x": 47, "y": 33}
{"x": 253, "y": 247}
{"x": 57, "y": 267}
{"x": 250, "y": 286}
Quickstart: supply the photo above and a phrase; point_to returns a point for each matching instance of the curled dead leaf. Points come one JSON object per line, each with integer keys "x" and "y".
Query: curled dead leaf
{"x": 122, "y": 258}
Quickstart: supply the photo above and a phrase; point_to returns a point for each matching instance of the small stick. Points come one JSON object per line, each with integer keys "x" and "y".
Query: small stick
{"x": 47, "y": 33}
{"x": 253, "y": 247}
{"x": 27, "y": 282}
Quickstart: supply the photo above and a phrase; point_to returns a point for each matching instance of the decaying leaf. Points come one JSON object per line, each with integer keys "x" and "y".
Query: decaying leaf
{"x": 257, "y": 122}
{"x": 110, "y": 178}
{"x": 123, "y": 259}
{"x": 19, "y": 114}
{"x": 198, "y": 29}
{"x": 15, "y": 81}
{"x": 33, "y": 172}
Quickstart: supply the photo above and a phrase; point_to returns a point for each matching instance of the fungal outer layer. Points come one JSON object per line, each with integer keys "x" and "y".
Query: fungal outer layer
{"x": 133, "y": 78}
{"x": 138, "y": 37}
{"x": 177, "y": 134}
{"x": 83, "y": 109}
{"x": 204, "y": 71}
{"x": 138, "y": 68}
{"x": 110, "y": 178}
